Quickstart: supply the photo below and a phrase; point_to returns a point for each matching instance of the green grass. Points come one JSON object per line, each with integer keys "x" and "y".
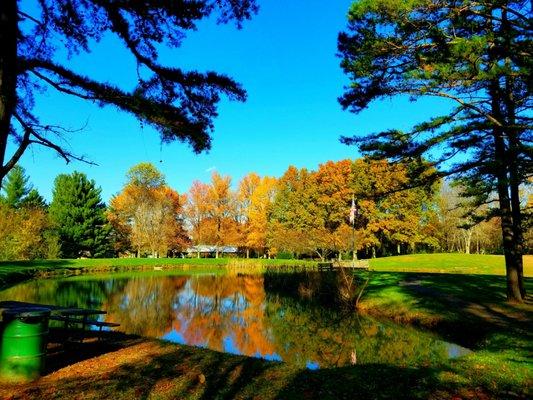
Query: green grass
{"x": 454, "y": 263}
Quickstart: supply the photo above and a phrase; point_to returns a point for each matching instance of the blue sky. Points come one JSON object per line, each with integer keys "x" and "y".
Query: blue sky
{"x": 286, "y": 60}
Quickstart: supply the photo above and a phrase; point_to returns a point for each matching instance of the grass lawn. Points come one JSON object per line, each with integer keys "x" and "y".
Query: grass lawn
{"x": 459, "y": 297}
{"x": 448, "y": 263}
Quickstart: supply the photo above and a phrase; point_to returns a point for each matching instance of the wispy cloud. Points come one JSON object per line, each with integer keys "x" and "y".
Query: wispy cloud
{"x": 210, "y": 169}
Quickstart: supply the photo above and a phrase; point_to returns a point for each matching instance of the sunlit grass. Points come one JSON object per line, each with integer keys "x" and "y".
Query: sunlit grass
{"x": 454, "y": 263}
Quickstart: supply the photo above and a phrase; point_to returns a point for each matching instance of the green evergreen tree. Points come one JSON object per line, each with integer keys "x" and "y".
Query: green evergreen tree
{"x": 180, "y": 104}
{"x": 477, "y": 55}
{"x": 78, "y": 214}
{"x": 16, "y": 187}
{"x": 33, "y": 200}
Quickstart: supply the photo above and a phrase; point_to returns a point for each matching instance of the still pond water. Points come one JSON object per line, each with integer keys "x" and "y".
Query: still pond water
{"x": 272, "y": 316}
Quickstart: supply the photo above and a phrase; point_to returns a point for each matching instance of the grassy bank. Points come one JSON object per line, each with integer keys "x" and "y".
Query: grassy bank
{"x": 16, "y": 271}
{"x": 11, "y": 271}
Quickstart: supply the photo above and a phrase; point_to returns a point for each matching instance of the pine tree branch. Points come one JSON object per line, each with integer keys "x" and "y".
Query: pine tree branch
{"x": 41, "y": 140}
{"x": 463, "y": 103}
{"x": 169, "y": 119}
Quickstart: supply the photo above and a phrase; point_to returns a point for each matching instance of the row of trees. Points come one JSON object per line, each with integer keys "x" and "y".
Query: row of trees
{"x": 74, "y": 224}
{"x": 303, "y": 213}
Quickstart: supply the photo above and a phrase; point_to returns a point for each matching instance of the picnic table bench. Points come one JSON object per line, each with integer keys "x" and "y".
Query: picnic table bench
{"x": 83, "y": 321}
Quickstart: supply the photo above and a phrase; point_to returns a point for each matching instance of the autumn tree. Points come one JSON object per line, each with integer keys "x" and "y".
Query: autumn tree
{"x": 196, "y": 212}
{"x": 25, "y": 228}
{"x": 78, "y": 215}
{"x": 26, "y": 234}
{"x": 388, "y": 215}
{"x": 180, "y": 104}
{"x": 255, "y": 196}
{"x": 222, "y": 222}
{"x": 477, "y": 55}
{"x": 334, "y": 192}
{"x": 295, "y": 215}
{"x": 462, "y": 227}
{"x": 147, "y": 215}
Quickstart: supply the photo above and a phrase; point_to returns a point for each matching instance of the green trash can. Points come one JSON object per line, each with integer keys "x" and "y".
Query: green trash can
{"x": 23, "y": 343}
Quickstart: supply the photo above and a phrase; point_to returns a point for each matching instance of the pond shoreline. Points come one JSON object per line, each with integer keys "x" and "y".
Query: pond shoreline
{"x": 14, "y": 272}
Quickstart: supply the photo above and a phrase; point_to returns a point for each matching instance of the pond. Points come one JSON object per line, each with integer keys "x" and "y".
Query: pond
{"x": 274, "y": 316}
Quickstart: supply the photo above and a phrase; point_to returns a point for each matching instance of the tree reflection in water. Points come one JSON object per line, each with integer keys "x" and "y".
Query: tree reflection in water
{"x": 235, "y": 313}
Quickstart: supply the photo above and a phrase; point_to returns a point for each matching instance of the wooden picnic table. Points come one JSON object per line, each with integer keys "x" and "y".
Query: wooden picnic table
{"x": 68, "y": 315}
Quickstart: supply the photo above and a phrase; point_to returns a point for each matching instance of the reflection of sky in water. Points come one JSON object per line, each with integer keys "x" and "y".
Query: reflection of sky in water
{"x": 175, "y": 337}
{"x": 312, "y": 365}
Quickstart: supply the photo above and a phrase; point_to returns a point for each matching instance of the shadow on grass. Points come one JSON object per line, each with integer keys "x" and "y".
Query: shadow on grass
{"x": 62, "y": 351}
{"x": 470, "y": 308}
{"x": 170, "y": 372}
{"x": 35, "y": 263}
{"x": 371, "y": 381}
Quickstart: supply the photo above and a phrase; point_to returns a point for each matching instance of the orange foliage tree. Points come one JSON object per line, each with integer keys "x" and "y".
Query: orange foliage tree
{"x": 295, "y": 215}
{"x": 255, "y": 197}
{"x": 212, "y": 213}
{"x": 196, "y": 212}
{"x": 334, "y": 193}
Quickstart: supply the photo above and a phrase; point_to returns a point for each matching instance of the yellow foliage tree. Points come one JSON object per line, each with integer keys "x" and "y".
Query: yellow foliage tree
{"x": 147, "y": 214}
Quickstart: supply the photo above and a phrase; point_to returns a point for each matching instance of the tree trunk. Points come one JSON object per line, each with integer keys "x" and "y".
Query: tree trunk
{"x": 513, "y": 257}
{"x": 468, "y": 240}
{"x": 398, "y": 249}
{"x": 513, "y": 133}
{"x": 247, "y": 253}
{"x": 8, "y": 74}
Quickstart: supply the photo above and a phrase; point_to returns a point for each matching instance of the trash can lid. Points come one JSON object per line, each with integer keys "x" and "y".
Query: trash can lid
{"x": 27, "y": 312}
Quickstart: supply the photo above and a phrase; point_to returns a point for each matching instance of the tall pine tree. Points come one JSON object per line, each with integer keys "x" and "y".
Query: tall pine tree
{"x": 78, "y": 214}
{"x": 478, "y": 55}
